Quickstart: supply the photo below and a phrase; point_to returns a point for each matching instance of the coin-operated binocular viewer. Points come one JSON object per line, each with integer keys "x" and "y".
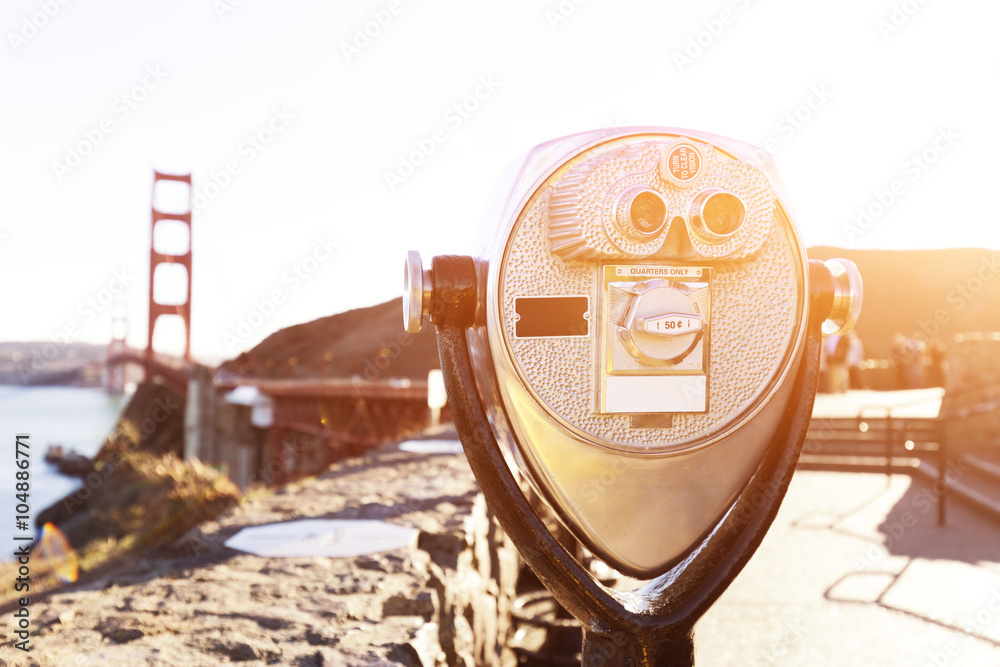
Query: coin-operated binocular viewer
{"x": 639, "y": 343}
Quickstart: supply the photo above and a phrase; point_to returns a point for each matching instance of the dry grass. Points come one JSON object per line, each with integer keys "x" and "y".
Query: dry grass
{"x": 150, "y": 501}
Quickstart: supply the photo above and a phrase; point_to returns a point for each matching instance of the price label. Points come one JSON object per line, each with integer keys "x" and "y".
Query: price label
{"x": 671, "y": 325}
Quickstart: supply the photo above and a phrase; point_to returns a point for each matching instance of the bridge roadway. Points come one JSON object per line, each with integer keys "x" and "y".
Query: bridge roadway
{"x": 172, "y": 371}
{"x": 315, "y": 422}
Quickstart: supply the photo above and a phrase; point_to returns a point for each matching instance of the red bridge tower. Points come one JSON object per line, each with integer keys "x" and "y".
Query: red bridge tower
{"x": 157, "y": 309}
{"x": 115, "y": 373}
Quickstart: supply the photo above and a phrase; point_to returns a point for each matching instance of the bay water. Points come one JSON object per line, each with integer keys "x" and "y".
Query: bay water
{"x": 78, "y": 418}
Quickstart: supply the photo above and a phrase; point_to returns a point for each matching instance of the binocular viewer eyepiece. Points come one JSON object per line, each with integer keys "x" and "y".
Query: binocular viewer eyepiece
{"x": 639, "y": 326}
{"x": 662, "y": 197}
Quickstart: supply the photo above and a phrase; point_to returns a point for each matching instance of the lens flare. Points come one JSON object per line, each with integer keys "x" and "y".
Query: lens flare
{"x": 58, "y": 554}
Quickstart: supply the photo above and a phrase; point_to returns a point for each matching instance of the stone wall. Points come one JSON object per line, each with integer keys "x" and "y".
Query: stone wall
{"x": 473, "y": 574}
{"x": 443, "y": 601}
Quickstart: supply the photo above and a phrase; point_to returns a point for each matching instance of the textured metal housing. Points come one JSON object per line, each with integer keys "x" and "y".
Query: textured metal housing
{"x": 637, "y": 495}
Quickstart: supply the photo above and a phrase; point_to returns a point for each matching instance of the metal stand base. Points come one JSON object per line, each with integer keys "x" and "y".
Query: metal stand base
{"x": 674, "y": 650}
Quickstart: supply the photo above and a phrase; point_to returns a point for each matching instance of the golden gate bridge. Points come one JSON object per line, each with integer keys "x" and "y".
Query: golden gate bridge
{"x": 328, "y": 418}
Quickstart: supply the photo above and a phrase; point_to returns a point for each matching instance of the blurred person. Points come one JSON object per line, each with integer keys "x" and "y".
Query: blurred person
{"x": 837, "y": 347}
{"x": 855, "y": 357}
{"x": 900, "y": 358}
{"x": 824, "y": 368}
{"x": 937, "y": 356}
{"x": 918, "y": 362}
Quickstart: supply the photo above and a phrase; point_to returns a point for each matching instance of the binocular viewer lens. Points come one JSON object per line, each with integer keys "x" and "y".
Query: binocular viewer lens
{"x": 641, "y": 213}
{"x": 716, "y": 215}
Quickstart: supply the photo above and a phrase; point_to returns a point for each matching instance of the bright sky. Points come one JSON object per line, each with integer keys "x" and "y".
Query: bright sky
{"x": 309, "y": 115}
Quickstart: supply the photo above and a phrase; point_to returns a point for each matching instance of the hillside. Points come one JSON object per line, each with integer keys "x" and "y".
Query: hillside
{"x": 369, "y": 342}
{"x": 932, "y": 293}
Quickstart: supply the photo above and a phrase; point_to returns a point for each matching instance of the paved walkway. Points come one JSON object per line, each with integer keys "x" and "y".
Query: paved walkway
{"x": 865, "y": 402}
{"x": 857, "y": 573}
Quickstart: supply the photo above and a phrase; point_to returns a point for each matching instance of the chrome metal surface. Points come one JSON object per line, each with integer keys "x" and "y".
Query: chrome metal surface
{"x": 848, "y": 294}
{"x": 417, "y": 288}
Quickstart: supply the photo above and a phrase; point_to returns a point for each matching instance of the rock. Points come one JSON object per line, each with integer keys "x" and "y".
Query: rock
{"x": 327, "y": 657}
{"x": 350, "y": 585}
{"x": 75, "y": 465}
{"x": 242, "y": 649}
{"x": 125, "y": 635}
{"x": 442, "y": 547}
{"x": 404, "y": 654}
{"x": 69, "y": 463}
{"x": 316, "y": 659}
{"x": 371, "y": 563}
{"x": 403, "y": 605}
{"x": 120, "y": 629}
{"x": 316, "y": 637}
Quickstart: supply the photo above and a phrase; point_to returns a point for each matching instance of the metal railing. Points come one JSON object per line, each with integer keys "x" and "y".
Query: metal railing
{"x": 896, "y": 429}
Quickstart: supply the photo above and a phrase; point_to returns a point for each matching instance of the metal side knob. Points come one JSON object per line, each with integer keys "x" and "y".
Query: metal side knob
{"x": 417, "y": 288}
{"x": 848, "y": 293}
